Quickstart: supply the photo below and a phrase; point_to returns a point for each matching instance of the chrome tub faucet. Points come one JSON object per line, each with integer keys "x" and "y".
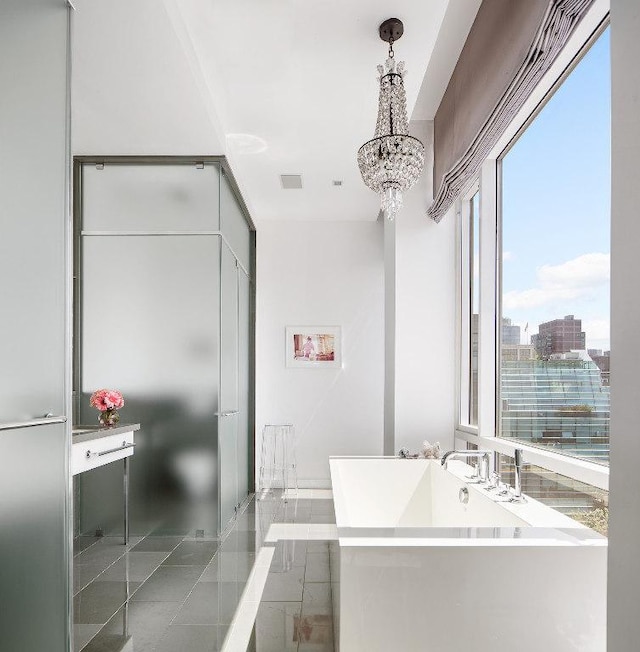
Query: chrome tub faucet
{"x": 481, "y": 455}
{"x": 517, "y": 484}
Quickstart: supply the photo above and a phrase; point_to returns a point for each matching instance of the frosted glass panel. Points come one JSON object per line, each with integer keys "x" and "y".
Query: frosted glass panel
{"x": 160, "y": 322}
{"x": 228, "y": 432}
{"x": 244, "y": 349}
{"x": 228, "y": 387}
{"x": 34, "y": 540}
{"x": 33, "y": 196}
{"x": 233, "y": 225}
{"x": 150, "y": 198}
{"x": 34, "y": 165}
{"x": 150, "y": 313}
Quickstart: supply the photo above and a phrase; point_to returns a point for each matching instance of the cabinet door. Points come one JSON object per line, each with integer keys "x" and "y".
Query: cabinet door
{"x": 34, "y": 591}
{"x": 34, "y": 353}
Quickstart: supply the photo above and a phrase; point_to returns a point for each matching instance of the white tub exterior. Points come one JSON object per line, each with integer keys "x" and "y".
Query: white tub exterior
{"x": 421, "y": 571}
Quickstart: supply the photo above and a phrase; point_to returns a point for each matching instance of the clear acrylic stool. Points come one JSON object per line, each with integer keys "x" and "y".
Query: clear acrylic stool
{"x": 278, "y": 461}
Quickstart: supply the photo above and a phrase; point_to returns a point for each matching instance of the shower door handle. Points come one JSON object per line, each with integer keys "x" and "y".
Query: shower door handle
{"x": 228, "y": 413}
{"x": 43, "y": 421}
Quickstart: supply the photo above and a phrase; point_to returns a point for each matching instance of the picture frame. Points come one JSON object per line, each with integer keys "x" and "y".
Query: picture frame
{"x": 313, "y": 347}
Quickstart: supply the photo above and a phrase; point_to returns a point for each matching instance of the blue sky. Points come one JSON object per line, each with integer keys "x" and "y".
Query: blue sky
{"x": 556, "y": 206}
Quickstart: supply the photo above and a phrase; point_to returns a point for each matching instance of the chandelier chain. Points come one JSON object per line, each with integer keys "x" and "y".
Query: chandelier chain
{"x": 391, "y": 52}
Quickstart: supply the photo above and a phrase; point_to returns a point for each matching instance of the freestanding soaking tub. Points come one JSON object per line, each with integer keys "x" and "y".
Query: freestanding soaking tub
{"x": 417, "y": 569}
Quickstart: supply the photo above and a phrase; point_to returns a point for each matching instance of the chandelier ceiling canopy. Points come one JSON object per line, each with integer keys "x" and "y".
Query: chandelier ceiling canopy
{"x": 392, "y": 160}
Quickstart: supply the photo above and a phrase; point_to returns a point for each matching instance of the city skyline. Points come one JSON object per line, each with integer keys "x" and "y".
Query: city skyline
{"x": 556, "y": 208}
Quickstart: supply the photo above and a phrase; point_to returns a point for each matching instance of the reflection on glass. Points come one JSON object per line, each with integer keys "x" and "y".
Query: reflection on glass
{"x": 555, "y": 350}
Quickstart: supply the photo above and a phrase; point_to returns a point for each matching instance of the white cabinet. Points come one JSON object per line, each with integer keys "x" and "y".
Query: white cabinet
{"x": 100, "y": 448}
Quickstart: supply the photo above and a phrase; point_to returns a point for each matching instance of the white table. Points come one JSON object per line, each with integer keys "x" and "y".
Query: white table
{"x": 94, "y": 446}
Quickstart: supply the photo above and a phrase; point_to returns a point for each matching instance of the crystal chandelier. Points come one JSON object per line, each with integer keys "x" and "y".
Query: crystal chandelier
{"x": 392, "y": 161}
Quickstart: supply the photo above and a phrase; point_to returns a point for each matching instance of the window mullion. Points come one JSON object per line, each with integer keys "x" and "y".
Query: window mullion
{"x": 463, "y": 306}
{"x": 487, "y": 335}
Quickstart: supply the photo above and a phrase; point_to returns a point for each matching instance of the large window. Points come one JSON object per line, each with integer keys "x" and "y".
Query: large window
{"x": 553, "y": 388}
{"x": 534, "y": 349}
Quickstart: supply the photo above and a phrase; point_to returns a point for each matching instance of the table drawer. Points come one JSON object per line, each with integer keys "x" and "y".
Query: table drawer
{"x": 97, "y": 452}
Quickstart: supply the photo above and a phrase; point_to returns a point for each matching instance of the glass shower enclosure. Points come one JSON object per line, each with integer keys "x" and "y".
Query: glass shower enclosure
{"x": 164, "y": 260}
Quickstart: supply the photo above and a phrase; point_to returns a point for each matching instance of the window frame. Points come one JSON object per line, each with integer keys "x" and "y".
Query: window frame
{"x": 464, "y": 300}
{"x": 485, "y": 435}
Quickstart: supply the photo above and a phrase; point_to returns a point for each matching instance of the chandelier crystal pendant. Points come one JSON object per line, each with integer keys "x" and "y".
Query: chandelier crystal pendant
{"x": 392, "y": 161}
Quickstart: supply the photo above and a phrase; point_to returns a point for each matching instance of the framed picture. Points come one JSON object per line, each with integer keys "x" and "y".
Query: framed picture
{"x": 316, "y": 347}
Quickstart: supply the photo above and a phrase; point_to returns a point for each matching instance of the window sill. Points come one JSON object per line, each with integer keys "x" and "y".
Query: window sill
{"x": 590, "y": 473}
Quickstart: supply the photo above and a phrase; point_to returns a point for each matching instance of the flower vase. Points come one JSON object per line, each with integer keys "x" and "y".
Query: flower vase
{"x": 109, "y": 417}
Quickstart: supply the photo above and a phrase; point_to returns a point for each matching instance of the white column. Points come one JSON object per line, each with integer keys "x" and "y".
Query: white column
{"x": 388, "y": 445}
{"x": 624, "y": 521}
{"x": 420, "y": 318}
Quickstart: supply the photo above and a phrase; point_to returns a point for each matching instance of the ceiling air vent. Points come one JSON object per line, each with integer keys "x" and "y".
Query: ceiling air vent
{"x": 291, "y": 181}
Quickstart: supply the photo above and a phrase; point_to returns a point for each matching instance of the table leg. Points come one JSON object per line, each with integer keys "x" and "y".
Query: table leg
{"x": 126, "y": 500}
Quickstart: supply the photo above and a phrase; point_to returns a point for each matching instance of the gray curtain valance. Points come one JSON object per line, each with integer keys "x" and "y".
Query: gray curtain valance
{"x": 511, "y": 45}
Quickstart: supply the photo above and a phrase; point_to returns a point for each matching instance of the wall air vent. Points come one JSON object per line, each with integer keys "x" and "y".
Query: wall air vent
{"x": 291, "y": 181}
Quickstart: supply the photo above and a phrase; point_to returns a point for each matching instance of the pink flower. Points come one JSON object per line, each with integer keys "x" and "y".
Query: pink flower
{"x": 106, "y": 399}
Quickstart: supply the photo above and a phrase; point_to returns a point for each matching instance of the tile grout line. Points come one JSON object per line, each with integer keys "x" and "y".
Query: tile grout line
{"x": 225, "y": 535}
{"x": 258, "y": 573}
{"x": 304, "y": 586}
{"x": 234, "y": 641}
{"x": 129, "y": 595}
{"x": 102, "y": 572}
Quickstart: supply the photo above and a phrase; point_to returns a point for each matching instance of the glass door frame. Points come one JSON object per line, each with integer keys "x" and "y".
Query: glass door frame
{"x": 78, "y": 163}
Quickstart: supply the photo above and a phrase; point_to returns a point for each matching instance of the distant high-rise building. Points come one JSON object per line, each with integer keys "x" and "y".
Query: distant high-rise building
{"x": 510, "y": 332}
{"x": 514, "y": 352}
{"x": 560, "y": 402}
{"x": 603, "y": 360}
{"x": 559, "y": 336}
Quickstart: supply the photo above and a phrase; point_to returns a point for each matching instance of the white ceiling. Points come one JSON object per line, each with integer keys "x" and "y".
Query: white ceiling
{"x": 279, "y": 86}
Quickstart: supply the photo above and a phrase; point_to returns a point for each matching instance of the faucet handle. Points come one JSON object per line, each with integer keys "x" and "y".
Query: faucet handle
{"x": 494, "y": 481}
{"x": 476, "y": 470}
{"x": 504, "y": 488}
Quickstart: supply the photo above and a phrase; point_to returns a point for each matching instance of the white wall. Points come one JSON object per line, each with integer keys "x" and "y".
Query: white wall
{"x": 425, "y": 328}
{"x": 334, "y": 273}
{"x": 330, "y": 274}
{"x": 137, "y": 87}
{"x": 624, "y": 519}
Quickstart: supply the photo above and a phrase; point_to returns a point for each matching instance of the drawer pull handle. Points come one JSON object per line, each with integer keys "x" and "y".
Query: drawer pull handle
{"x": 124, "y": 446}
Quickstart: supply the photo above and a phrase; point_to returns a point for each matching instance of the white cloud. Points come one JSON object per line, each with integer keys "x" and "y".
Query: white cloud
{"x": 576, "y": 279}
{"x": 598, "y": 333}
{"x": 587, "y": 271}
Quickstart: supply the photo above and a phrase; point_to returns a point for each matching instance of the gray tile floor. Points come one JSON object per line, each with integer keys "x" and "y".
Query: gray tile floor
{"x": 295, "y": 612}
{"x": 169, "y": 594}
